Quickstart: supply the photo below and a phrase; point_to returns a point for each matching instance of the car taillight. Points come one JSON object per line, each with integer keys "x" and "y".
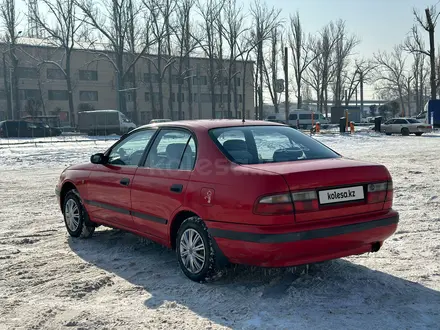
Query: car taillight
{"x": 305, "y": 201}
{"x": 274, "y": 205}
{"x": 381, "y": 192}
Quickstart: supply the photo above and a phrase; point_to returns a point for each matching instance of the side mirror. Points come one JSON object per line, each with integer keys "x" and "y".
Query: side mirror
{"x": 98, "y": 158}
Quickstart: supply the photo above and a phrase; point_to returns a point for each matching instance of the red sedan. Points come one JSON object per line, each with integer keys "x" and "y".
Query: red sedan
{"x": 227, "y": 191}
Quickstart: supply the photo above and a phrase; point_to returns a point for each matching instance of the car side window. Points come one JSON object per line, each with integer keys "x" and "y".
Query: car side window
{"x": 130, "y": 150}
{"x": 400, "y": 121}
{"x": 389, "y": 122}
{"x": 173, "y": 150}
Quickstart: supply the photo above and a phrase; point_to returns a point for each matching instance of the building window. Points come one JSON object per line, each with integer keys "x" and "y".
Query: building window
{"x": 88, "y": 96}
{"x": 26, "y": 94}
{"x": 58, "y": 95}
{"x": 55, "y": 74}
{"x": 237, "y": 81}
{"x": 129, "y": 96}
{"x": 240, "y": 98}
{"x": 30, "y": 73}
{"x": 90, "y": 75}
{"x": 2, "y": 94}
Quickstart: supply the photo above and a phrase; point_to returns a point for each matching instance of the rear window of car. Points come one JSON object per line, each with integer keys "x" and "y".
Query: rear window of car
{"x": 268, "y": 144}
{"x": 413, "y": 121}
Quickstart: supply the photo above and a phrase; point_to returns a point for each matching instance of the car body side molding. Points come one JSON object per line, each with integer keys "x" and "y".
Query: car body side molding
{"x": 302, "y": 235}
{"x": 139, "y": 215}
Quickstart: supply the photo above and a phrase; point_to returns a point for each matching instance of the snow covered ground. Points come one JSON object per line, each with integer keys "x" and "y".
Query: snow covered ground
{"x": 118, "y": 281}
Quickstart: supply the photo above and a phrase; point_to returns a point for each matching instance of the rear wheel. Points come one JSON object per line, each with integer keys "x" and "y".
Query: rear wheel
{"x": 405, "y": 131}
{"x": 76, "y": 218}
{"x": 195, "y": 252}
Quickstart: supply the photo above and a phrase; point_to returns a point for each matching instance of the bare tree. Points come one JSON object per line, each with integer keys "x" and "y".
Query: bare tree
{"x": 314, "y": 72}
{"x": 329, "y": 37}
{"x": 265, "y": 20}
{"x": 62, "y": 35}
{"x": 232, "y": 32}
{"x": 271, "y": 70}
{"x": 343, "y": 49}
{"x": 391, "y": 75}
{"x": 414, "y": 43}
{"x": 210, "y": 11}
{"x": 112, "y": 19}
{"x": 301, "y": 54}
{"x": 362, "y": 69}
{"x": 133, "y": 35}
{"x": 10, "y": 21}
{"x": 186, "y": 45}
{"x": 220, "y": 69}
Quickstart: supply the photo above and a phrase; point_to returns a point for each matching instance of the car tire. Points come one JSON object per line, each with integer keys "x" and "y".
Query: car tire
{"x": 76, "y": 217}
{"x": 193, "y": 233}
{"x": 405, "y": 131}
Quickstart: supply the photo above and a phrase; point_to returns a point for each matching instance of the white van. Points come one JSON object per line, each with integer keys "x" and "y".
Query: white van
{"x": 304, "y": 118}
{"x": 104, "y": 122}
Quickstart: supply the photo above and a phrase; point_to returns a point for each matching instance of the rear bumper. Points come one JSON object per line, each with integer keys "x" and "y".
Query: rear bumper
{"x": 291, "y": 248}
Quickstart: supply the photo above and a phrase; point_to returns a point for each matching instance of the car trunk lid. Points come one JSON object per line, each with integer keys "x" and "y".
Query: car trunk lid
{"x": 340, "y": 185}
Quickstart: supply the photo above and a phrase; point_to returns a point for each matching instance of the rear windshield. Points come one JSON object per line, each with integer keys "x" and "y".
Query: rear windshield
{"x": 268, "y": 144}
{"x": 413, "y": 121}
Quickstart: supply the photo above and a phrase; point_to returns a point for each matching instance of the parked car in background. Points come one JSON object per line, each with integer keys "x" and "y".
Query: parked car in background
{"x": 22, "y": 128}
{"x": 405, "y": 126}
{"x": 104, "y": 122}
{"x": 304, "y": 119}
{"x": 164, "y": 120}
{"x": 220, "y": 191}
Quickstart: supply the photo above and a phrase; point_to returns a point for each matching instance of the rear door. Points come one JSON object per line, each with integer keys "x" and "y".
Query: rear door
{"x": 159, "y": 186}
{"x": 399, "y": 124}
{"x": 108, "y": 186}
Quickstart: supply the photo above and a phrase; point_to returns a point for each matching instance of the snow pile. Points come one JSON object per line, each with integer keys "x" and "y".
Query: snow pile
{"x": 117, "y": 281}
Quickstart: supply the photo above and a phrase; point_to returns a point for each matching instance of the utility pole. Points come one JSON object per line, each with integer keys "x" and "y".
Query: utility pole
{"x": 361, "y": 74}
{"x": 286, "y": 83}
{"x": 356, "y": 91}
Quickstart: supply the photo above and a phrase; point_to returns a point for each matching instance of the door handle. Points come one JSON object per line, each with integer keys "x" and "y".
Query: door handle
{"x": 125, "y": 181}
{"x": 177, "y": 188}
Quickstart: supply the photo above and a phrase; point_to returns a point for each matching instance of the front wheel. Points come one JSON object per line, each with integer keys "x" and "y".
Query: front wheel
{"x": 195, "y": 252}
{"x": 76, "y": 218}
{"x": 418, "y": 134}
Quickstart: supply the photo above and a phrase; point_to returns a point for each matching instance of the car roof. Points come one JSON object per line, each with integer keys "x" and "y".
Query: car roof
{"x": 207, "y": 124}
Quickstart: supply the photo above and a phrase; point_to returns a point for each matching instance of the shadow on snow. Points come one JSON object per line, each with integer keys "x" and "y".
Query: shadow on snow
{"x": 335, "y": 293}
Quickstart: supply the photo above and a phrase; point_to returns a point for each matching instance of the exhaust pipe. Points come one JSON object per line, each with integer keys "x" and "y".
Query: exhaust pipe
{"x": 375, "y": 247}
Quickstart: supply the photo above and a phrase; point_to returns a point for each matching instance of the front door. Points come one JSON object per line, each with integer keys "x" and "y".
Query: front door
{"x": 159, "y": 186}
{"x": 108, "y": 187}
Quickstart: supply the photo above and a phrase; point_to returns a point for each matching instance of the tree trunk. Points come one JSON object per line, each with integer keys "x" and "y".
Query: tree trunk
{"x": 17, "y": 106}
{"x": 170, "y": 91}
{"x": 432, "y": 54}
{"x": 151, "y": 90}
{"x": 135, "y": 116}
{"x": 7, "y": 90}
{"x": 179, "y": 88}
{"x": 69, "y": 90}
